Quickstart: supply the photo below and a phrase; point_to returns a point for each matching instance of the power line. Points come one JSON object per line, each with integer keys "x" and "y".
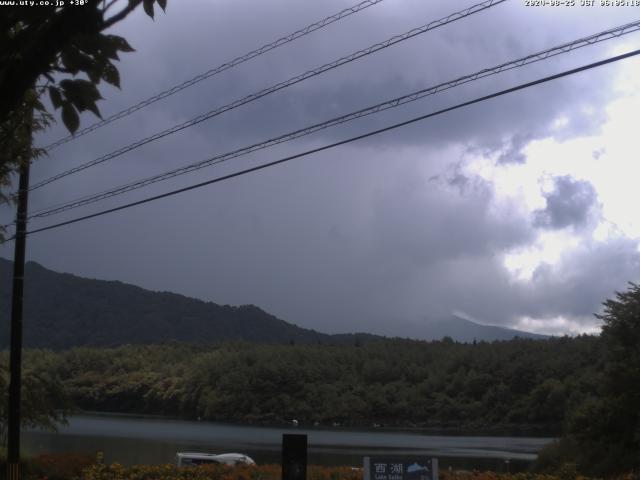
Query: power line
{"x": 615, "y": 32}
{"x": 279, "y": 86}
{"x": 214, "y": 71}
{"x": 343, "y": 142}
{"x": 11, "y": 237}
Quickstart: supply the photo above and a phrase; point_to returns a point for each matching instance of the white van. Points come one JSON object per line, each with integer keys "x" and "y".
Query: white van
{"x": 184, "y": 459}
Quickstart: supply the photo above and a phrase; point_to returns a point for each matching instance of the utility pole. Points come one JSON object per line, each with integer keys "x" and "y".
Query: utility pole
{"x": 15, "y": 357}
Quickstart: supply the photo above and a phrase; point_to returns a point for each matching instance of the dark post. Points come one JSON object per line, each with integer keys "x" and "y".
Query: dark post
{"x": 15, "y": 359}
{"x": 294, "y": 457}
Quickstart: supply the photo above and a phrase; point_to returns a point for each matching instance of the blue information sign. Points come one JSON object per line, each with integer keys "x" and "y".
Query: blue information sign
{"x": 400, "y": 468}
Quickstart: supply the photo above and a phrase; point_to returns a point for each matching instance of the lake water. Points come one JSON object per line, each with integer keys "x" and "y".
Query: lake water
{"x": 133, "y": 440}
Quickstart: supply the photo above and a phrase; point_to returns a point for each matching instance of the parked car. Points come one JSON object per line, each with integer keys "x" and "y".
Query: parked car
{"x": 194, "y": 458}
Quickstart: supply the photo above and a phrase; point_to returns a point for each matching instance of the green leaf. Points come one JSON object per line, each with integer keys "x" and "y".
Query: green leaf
{"x": 109, "y": 46}
{"x": 111, "y": 75}
{"x": 56, "y": 98}
{"x": 80, "y": 90}
{"x": 163, "y": 5}
{"x": 89, "y": 43}
{"x": 82, "y": 94}
{"x": 148, "y": 7}
{"x": 94, "y": 74}
{"x": 76, "y": 61}
{"x": 119, "y": 43}
{"x": 70, "y": 117}
{"x": 92, "y": 107}
{"x": 70, "y": 60}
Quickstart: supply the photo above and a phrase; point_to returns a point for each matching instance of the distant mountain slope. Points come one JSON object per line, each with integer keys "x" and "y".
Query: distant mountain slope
{"x": 463, "y": 330}
{"x": 63, "y": 311}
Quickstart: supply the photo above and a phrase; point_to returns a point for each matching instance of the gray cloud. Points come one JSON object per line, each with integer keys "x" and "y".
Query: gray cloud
{"x": 578, "y": 285}
{"x": 571, "y": 203}
{"x": 513, "y": 150}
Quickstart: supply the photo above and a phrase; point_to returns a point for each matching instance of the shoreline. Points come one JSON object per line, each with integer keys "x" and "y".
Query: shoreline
{"x": 515, "y": 431}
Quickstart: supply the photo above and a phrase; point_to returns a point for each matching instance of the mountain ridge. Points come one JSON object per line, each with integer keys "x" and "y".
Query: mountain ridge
{"x": 464, "y": 330}
{"x": 63, "y": 310}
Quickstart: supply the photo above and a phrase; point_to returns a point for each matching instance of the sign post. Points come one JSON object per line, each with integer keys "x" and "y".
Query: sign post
{"x": 294, "y": 457}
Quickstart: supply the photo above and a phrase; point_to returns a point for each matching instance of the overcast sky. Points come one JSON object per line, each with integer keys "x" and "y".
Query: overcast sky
{"x": 520, "y": 211}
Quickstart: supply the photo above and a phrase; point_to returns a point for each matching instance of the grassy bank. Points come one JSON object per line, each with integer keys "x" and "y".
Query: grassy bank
{"x": 72, "y": 466}
{"x": 273, "y": 472}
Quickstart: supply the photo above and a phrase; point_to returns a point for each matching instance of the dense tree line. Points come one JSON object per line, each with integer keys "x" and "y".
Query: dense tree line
{"x": 45, "y": 400}
{"x": 602, "y": 433}
{"x": 525, "y": 385}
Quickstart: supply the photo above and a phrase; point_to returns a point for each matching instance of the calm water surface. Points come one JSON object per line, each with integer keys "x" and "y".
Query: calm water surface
{"x": 132, "y": 440}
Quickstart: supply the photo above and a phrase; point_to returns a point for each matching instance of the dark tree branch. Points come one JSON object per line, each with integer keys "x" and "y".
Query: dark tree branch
{"x": 108, "y": 5}
{"x": 121, "y": 14}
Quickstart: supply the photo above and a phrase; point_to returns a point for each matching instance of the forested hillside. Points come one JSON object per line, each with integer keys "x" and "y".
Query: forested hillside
{"x": 520, "y": 385}
{"x": 63, "y": 311}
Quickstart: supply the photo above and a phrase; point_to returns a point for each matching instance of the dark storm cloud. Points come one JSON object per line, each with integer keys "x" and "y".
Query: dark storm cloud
{"x": 176, "y": 56}
{"x": 433, "y": 222}
{"x": 372, "y": 79}
{"x": 390, "y": 228}
{"x": 569, "y": 204}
